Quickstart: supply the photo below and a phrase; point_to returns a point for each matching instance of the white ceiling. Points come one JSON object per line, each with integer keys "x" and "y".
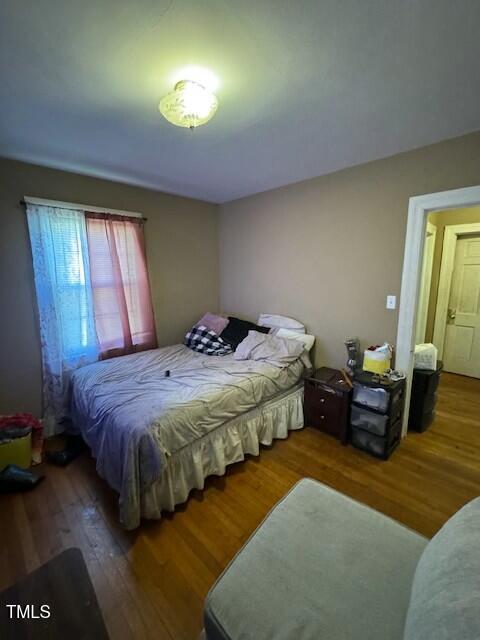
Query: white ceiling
{"x": 306, "y": 87}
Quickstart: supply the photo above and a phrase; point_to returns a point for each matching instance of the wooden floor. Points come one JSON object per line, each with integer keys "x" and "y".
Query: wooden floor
{"x": 152, "y": 583}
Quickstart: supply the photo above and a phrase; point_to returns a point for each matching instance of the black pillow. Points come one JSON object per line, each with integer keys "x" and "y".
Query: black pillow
{"x": 237, "y": 330}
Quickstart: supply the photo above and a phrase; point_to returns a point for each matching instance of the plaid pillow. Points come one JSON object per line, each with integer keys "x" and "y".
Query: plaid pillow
{"x": 206, "y": 341}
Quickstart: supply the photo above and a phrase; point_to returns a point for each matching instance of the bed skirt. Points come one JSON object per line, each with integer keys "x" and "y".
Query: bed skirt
{"x": 187, "y": 469}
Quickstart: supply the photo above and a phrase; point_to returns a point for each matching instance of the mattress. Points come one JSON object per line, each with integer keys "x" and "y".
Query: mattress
{"x": 136, "y": 411}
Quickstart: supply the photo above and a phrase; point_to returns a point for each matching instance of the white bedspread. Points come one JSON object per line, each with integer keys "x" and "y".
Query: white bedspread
{"x": 133, "y": 417}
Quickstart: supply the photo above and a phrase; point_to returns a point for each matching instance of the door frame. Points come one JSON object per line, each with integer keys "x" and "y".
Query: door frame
{"x": 452, "y": 231}
{"x": 430, "y": 233}
{"x": 418, "y": 209}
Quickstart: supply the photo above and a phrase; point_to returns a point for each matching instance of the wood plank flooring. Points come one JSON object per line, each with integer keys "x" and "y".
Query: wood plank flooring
{"x": 151, "y": 583}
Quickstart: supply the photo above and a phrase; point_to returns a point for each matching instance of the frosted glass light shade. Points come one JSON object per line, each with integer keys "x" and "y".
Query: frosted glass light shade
{"x": 188, "y": 105}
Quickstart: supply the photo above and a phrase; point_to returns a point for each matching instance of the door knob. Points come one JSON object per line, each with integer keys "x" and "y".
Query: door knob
{"x": 451, "y": 314}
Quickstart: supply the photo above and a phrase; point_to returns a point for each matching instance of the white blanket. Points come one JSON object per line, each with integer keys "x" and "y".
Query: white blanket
{"x": 265, "y": 347}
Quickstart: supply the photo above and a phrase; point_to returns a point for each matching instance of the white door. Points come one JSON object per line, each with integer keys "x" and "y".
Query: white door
{"x": 425, "y": 283}
{"x": 462, "y": 336}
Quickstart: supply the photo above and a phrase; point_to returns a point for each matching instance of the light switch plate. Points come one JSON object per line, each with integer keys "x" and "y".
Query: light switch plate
{"x": 391, "y": 302}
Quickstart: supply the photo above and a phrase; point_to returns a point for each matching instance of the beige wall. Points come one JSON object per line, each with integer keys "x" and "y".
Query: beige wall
{"x": 328, "y": 250}
{"x": 441, "y": 219}
{"x": 182, "y": 250}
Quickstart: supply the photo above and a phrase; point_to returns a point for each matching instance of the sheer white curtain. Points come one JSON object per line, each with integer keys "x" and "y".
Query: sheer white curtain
{"x": 62, "y": 281}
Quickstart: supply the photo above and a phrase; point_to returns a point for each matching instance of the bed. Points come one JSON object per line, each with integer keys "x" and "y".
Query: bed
{"x": 159, "y": 422}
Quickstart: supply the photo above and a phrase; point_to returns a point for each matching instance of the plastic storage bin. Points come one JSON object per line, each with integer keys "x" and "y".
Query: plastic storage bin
{"x": 381, "y": 447}
{"x": 425, "y": 356}
{"x": 425, "y": 382}
{"x": 372, "y": 397}
{"x": 369, "y": 421}
{"x": 376, "y": 414}
{"x": 376, "y": 361}
{"x": 17, "y": 451}
{"x": 424, "y": 397}
{"x": 392, "y": 393}
{"x": 376, "y": 423}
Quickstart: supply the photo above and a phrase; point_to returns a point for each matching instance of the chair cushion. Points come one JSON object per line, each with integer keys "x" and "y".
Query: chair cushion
{"x": 445, "y": 599}
{"x": 320, "y": 567}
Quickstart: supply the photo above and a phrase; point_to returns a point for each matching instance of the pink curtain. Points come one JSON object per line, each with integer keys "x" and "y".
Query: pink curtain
{"x": 121, "y": 292}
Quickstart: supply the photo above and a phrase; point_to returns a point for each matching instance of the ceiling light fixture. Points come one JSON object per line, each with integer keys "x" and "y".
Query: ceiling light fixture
{"x": 190, "y": 104}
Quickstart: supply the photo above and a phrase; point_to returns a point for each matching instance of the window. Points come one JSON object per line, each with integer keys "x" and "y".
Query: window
{"x": 92, "y": 291}
{"x": 60, "y": 260}
{"x": 73, "y": 290}
{"x": 121, "y": 292}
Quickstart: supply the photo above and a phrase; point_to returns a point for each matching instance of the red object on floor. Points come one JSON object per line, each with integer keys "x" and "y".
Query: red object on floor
{"x": 20, "y": 420}
{"x": 27, "y": 420}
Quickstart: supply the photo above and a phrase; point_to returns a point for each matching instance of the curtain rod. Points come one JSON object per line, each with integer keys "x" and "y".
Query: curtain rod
{"x": 80, "y": 207}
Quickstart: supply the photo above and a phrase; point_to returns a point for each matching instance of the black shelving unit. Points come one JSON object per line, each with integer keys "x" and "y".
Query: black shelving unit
{"x": 424, "y": 397}
{"x": 376, "y": 414}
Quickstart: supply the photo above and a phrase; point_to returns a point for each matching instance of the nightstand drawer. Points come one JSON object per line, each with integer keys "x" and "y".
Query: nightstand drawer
{"x": 326, "y": 408}
{"x": 320, "y": 399}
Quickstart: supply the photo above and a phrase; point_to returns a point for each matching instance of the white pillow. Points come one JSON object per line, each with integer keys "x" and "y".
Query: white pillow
{"x": 280, "y": 322}
{"x": 268, "y": 348}
{"x": 307, "y": 339}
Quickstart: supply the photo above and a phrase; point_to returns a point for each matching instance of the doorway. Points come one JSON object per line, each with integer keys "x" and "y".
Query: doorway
{"x": 456, "y": 322}
{"x": 413, "y": 270}
{"x": 448, "y": 315}
{"x": 425, "y": 283}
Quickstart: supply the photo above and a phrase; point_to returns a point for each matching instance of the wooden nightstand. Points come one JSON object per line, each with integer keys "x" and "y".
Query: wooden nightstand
{"x": 327, "y": 403}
